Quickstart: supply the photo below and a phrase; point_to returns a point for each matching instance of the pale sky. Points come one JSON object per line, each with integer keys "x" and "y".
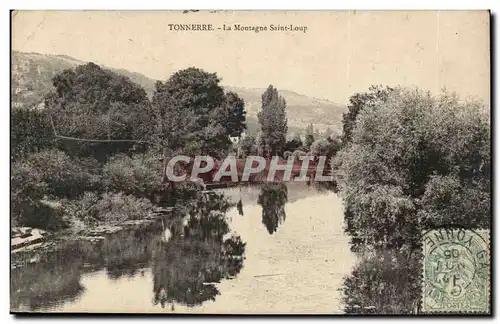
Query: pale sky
{"x": 341, "y": 52}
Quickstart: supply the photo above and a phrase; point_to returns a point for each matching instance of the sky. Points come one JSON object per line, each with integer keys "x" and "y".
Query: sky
{"x": 342, "y": 52}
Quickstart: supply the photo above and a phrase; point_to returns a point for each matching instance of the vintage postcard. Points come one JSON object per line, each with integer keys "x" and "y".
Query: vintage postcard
{"x": 251, "y": 162}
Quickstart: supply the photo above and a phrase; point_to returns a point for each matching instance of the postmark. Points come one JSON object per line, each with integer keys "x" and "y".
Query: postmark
{"x": 456, "y": 271}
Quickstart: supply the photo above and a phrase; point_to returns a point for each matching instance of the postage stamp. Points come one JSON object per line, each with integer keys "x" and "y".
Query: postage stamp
{"x": 456, "y": 271}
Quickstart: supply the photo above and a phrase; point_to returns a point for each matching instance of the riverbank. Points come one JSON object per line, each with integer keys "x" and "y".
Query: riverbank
{"x": 28, "y": 245}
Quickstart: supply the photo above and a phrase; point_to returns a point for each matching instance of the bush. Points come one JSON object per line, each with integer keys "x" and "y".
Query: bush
{"x": 139, "y": 175}
{"x": 47, "y": 175}
{"x": 415, "y": 162}
{"x": 325, "y": 147}
{"x": 62, "y": 175}
{"x": 92, "y": 209}
{"x": 120, "y": 207}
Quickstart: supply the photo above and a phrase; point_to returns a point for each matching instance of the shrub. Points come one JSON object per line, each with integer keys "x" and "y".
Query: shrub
{"x": 92, "y": 209}
{"x": 64, "y": 176}
{"x": 139, "y": 175}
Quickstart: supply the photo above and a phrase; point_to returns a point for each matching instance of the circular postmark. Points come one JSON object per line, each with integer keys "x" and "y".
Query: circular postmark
{"x": 456, "y": 269}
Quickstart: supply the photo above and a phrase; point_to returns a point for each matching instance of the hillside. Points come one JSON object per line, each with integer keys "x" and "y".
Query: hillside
{"x": 301, "y": 110}
{"x": 32, "y": 74}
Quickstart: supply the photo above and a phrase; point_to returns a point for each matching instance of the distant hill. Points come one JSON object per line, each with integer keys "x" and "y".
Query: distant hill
{"x": 32, "y": 75}
{"x": 301, "y": 110}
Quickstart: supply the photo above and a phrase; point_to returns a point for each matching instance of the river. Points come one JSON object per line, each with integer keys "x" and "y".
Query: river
{"x": 295, "y": 257}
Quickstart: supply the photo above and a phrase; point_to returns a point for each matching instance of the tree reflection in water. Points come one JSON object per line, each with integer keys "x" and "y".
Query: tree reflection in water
{"x": 56, "y": 277}
{"x": 45, "y": 284}
{"x": 186, "y": 268}
{"x": 272, "y": 198}
{"x": 384, "y": 282}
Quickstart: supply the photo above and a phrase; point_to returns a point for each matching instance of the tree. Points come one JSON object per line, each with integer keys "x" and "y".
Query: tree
{"x": 358, "y": 102}
{"x": 325, "y": 147}
{"x": 96, "y": 87}
{"x": 236, "y": 114}
{"x": 90, "y": 103}
{"x": 194, "y": 115}
{"x": 309, "y": 136}
{"x": 273, "y": 122}
{"x": 415, "y": 162}
{"x": 62, "y": 175}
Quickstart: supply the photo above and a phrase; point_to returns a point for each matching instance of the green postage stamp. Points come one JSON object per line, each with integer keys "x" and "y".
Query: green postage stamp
{"x": 456, "y": 271}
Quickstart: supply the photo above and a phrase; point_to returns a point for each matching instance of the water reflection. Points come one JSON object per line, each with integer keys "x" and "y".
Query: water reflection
{"x": 384, "y": 282}
{"x": 184, "y": 269}
{"x": 40, "y": 285}
{"x": 272, "y": 199}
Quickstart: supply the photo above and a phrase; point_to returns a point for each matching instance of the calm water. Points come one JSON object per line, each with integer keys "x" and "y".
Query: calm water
{"x": 281, "y": 250}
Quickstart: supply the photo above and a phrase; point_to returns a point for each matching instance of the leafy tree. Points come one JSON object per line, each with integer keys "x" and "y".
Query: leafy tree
{"x": 358, "y": 102}
{"x": 27, "y": 191}
{"x": 96, "y": 87}
{"x": 325, "y": 147}
{"x": 309, "y": 136}
{"x": 90, "y": 103}
{"x": 236, "y": 115}
{"x": 273, "y": 122}
{"x": 415, "y": 162}
{"x": 194, "y": 115}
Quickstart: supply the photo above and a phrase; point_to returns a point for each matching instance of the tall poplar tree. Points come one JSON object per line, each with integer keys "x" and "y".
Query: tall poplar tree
{"x": 273, "y": 122}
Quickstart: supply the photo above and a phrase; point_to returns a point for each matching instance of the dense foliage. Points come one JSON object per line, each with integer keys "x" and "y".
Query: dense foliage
{"x": 30, "y": 132}
{"x": 91, "y": 103}
{"x": 416, "y": 162}
{"x": 357, "y": 103}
